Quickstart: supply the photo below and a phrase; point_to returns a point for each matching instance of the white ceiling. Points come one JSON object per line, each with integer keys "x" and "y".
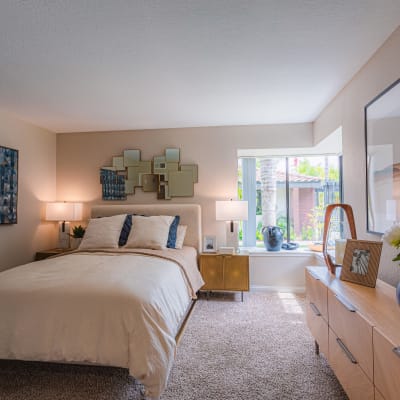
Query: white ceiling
{"x": 93, "y": 65}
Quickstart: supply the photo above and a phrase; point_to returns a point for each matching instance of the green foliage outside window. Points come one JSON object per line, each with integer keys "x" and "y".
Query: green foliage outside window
{"x": 313, "y": 226}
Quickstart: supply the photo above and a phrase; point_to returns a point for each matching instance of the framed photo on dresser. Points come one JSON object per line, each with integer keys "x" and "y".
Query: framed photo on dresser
{"x": 209, "y": 244}
{"x": 361, "y": 262}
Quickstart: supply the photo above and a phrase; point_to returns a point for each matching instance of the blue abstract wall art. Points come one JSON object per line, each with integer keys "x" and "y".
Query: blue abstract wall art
{"x": 8, "y": 185}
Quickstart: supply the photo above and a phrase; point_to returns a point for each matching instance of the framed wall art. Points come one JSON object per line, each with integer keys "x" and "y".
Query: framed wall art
{"x": 361, "y": 262}
{"x": 382, "y": 144}
{"x": 8, "y": 185}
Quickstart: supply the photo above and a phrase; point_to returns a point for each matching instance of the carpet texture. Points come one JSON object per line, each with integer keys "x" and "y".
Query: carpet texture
{"x": 260, "y": 349}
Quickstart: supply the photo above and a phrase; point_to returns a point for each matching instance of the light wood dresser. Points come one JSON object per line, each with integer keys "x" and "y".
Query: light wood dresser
{"x": 358, "y": 330}
{"x": 225, "y": 272}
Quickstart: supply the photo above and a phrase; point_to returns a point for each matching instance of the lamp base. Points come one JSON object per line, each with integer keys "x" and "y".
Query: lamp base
{"x": 232, "y": 238}
{"x": 63, "y": 235}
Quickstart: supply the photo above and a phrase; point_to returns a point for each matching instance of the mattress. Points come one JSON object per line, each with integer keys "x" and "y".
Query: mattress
{"x": 119, "y": 308}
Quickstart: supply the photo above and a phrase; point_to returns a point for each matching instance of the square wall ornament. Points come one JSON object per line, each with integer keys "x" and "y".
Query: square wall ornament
{"x": 172, "y": 155}
{"x": 193, "y": 168}
{"x": 172, "y": 166}
{"x": 159, "y": 162}
{"x": 133, "y": 175}
{"x": 149, "y": 182}
{"x": 118, "y": 163}
{"x": 131, "y": 158}
{"x": 180, "y": 184}
{"x": 129, "y": 187}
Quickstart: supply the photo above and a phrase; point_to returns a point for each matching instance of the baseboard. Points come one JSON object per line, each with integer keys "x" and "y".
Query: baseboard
{"x": 291, "y": 289}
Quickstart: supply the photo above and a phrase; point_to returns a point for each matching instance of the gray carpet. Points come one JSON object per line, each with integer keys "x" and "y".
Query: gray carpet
{"x": 257, "y": 350}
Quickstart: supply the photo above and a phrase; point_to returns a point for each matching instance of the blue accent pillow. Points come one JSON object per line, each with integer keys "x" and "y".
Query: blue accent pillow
{"x": 126, "y": 228}
{"x": 173, "y": 230}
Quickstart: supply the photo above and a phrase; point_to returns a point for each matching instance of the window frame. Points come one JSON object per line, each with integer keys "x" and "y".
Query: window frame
{"x": 249, "y": 239}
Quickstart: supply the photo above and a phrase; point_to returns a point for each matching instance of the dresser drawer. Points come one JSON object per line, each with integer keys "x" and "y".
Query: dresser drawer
{"x": 386, "y": 367}
{"x": 317, "y": 294}
{"x": 353, "y": 330}
{"x": 318, "y": 327}
{"x": 353, "y": 379}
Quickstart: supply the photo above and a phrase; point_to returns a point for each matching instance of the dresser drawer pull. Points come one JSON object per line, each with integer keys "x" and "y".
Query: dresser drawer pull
{"x": 346, "y": 351}
{"x": 396, "y": 350}
{"x": 346, "y": 303}
{"x": 315, "y": 309}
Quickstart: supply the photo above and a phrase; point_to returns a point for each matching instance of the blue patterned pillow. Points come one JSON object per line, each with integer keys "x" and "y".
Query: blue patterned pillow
{"x": 126, "y": 228}
{"x": 173, "y": 229}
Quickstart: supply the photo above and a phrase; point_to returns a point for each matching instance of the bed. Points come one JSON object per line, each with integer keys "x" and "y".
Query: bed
{"x": 121, "y": 307}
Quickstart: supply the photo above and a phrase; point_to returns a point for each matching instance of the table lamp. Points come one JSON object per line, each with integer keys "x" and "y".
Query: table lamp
{"x": 231, "y": 211}
{"x": 63, "y": 213}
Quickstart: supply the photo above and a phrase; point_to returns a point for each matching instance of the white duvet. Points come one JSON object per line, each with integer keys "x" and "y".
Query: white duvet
{"x": 119, "y": 309}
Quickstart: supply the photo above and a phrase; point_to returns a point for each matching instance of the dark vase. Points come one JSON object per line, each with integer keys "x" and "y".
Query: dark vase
{"x": 398, "y": 293}
{"x": 273, "y": 238}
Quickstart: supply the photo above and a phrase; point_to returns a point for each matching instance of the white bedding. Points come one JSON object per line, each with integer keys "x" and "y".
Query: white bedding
{"x": 117, "y": 309}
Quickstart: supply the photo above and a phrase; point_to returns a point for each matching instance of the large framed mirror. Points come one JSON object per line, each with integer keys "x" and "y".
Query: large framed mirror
{"x": 382, "y": 143}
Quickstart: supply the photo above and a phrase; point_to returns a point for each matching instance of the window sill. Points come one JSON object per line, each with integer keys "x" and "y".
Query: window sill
{"x": 260, "y": 252}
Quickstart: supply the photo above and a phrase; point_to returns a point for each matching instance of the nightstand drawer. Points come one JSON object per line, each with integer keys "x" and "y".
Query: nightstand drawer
{"x": 225, "y": 272}
{"x": 212, "y": 271}
{"x": 236, "y": 273}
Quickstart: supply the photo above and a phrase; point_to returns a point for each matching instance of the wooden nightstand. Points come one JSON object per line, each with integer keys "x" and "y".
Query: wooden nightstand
{"x": 41, "y": 255}
{"x": 225, "y": 272}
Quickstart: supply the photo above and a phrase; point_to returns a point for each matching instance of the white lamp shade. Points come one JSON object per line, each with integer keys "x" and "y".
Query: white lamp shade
{"x": 233, "y": 210}
{"x": 59, "y": 211}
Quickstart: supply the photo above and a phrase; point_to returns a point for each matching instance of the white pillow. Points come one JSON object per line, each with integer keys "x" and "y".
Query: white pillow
{"x": 103, "y": 232}
{"x": 149, "y": 232}
{"x": 180, "y": 236}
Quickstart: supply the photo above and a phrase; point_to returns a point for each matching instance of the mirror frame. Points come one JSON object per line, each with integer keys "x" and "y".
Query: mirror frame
{"x": 377, "y": 221}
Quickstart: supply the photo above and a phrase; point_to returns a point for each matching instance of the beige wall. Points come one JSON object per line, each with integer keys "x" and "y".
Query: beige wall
{"x": 347, "y": 110}
{"x": 80, "y": 156}
{"x": 36, "y": 184}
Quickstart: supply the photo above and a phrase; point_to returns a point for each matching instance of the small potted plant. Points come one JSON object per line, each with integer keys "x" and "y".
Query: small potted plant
{"x": 78, "y": 232}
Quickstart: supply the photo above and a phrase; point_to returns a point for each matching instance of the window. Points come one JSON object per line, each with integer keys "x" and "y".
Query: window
{"x": 289, "y": 192}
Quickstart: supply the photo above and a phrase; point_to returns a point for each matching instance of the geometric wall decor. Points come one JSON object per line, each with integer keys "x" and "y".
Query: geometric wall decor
{"x": 164, "y": 175}
{"x": 8, "y": 185}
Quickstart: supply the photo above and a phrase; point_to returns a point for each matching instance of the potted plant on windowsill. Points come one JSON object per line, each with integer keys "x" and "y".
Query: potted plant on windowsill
{"x": 78, "y": 232}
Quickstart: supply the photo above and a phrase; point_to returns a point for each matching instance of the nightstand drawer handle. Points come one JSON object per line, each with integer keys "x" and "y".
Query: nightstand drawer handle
{"x": 346, "y": 351}
{"x": 315, "y": 309}
{"x": 346, "y": 303}
{"x": 396, "y": 350}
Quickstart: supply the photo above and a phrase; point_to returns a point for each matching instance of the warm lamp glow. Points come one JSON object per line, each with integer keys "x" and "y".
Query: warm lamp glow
{"x": 59, "y": 211}
{"x": 233, "y": 210}
{"x": 63, "y": 213}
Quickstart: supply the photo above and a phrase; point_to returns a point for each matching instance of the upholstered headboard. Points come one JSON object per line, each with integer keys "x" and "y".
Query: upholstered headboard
{"x": 190, "y": 215}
